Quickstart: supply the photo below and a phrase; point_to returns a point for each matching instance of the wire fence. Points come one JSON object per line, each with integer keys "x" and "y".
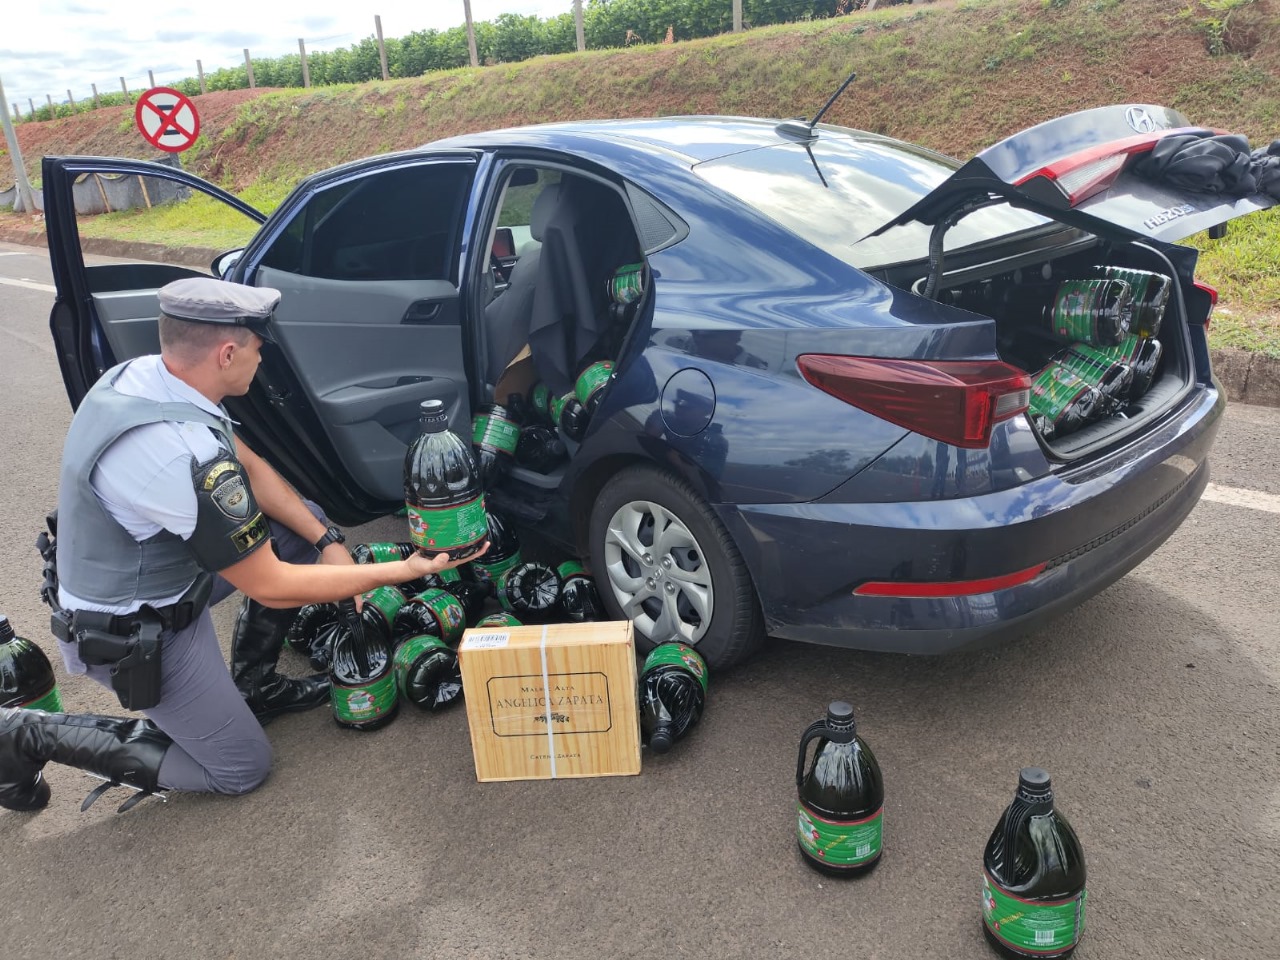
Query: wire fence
{"x": 509, "y": 38}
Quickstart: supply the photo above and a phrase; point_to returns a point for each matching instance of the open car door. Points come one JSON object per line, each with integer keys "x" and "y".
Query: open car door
{"x": 367, "y": 258}
{"x": 105, "y": 313}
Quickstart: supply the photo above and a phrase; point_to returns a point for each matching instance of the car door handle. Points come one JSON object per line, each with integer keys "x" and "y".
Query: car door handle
{"x": 421, "y": 311}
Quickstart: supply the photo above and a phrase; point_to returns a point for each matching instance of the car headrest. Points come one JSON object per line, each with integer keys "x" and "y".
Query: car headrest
{"x": 543, "y": 208}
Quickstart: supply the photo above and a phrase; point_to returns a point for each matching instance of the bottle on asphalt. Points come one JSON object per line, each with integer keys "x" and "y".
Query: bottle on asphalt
{"x": 1033, "y": 883}
{"x": 26, "y": 675}
{"x": 673, "y": 691}
{"x": 531, "y": 591}
{"x": 443, "y": 497}
{"x": 427, "y": 672}
{"x": 579, "y": 597}
{"x": 840, "y": 810}
{"x": 362, "y": 691}
{"x": 379, "y": 609}
{"x": 303, "y": 635}
{"x": 434, "y": 612}
{"x": 503, "y": 553}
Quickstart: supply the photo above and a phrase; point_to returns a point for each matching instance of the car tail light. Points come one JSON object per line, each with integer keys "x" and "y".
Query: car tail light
{"x": 1212, "y": 293}
{"x": 1081, "y": 175}
{"x": 946, "y": 588}
{"x": 956, "y": 401}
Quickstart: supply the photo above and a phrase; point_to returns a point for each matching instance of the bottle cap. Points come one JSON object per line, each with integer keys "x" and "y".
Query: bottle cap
{"x": 1034, "y": 786}
{"x": 660, "y": 739}
{"x": 840, "y": 721}
{"x": 433, "y": 417}
{"x": 6, "y": 631}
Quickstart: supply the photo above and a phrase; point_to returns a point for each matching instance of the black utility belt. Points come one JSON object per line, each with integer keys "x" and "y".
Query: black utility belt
{"x": 176, "y": 616}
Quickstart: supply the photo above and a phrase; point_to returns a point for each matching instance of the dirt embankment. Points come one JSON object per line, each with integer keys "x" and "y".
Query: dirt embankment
{"x": 954, "y": 76}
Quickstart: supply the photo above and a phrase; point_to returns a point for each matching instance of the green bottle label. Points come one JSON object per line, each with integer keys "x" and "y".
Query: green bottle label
{"x": 558, "y": 405}
{"x": 448, "y": 612}
{"x": 493, "y": 572}
{"x": 678, "y": 655}
{"x": 386, "y": 600}
{"x": 542, "y": 399}
{"x": 1032, "y": 926}
{"x": 444, "y": 528}
{"x": 499, "y": 620}
{"x": 495, "y": 432}
{"x": 359, "y": 704}
{"x": 450, "y": 575}
{"x": 384, "y": 552}
{"x": 627, "y": 283}
{"x": 591, "y": 380}
{"x": 409, "y": 651}
{"x": 1091, "y": 364}
{"x": 571, "y": 568}
{"x": 1054, "y": 389}
{"x": 841, "y": 843}
{"x": 50, "y": 702}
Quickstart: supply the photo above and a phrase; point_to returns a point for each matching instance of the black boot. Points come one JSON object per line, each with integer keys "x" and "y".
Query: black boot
{"x": 121, "y": 752}
{"x": 255, "y": 648}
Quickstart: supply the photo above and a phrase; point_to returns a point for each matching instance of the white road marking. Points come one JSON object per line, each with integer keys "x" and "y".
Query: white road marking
{"x": 1238, "y": 497}
{"x": 14, "y": 253}
{"x": 29, "y": 284}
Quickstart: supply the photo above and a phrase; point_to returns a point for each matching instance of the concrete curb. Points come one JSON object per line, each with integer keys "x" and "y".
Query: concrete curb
{"x": 1247, "y": 377}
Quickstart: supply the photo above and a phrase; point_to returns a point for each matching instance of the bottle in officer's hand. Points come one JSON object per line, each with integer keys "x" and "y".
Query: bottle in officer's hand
{"x": 362, "y": 678}
{"x": 442, "y": 492}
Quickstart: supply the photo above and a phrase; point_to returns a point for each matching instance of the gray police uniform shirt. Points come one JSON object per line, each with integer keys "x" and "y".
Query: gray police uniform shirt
{"x": 144, "y": 478}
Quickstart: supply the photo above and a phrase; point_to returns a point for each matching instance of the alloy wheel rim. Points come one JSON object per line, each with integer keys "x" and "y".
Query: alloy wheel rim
{"x": 658, "y": 573}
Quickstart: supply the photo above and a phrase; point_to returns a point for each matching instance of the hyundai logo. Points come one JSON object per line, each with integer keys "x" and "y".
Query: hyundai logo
{"x": 1141, "y": 120}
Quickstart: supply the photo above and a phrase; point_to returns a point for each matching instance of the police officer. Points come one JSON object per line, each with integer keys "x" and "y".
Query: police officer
{"x": 162, "y": 510}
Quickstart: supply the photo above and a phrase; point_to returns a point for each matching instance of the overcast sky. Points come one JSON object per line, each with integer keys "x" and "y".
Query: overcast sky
{"x": 50, "y": 46}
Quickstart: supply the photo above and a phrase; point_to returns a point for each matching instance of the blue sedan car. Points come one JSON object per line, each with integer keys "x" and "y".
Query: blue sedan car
{"x": 841, "y": 407}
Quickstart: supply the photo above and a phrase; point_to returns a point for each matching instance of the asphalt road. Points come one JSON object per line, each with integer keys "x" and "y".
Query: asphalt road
{"x": 1154, "y": 706}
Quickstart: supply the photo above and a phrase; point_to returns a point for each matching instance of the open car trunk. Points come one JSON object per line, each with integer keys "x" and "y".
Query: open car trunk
{"x": 1104, "y": 355}
{"x": 1098, "y": 305}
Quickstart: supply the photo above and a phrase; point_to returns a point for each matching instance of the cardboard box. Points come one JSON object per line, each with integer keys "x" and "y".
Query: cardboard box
{"x": 546, "y": 702}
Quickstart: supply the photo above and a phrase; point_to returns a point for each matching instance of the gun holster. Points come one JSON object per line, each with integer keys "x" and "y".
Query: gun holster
{"x": 134, "y": 660}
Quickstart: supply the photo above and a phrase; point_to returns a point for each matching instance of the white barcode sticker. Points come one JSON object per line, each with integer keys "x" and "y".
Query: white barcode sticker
{"x": 1044, "y": 937}
{"x": 485, "y": 641}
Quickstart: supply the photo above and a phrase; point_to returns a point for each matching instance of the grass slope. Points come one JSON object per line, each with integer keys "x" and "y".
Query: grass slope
{"x": 955, "y": 75}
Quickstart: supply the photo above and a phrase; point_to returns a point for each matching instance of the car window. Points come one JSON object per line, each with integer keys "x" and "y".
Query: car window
{"x": 393, "y": 224}
{"x": 837, "y": 189}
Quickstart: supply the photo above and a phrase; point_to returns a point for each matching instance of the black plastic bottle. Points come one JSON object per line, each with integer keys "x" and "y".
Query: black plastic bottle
{"x": 531, "y": 591}
{"x": 503, "y": 553}
{"x": 435, "y": 612}
{"x": 498, "y": 620}
{"x": 589, "y": 387}
{"x": 382, "y": 552}
{"x": 494, "y": 435}
{"x": 673, "y": 691}
{"x": 304, "y": 633}
{"x": 472, "y": 594}
{"x": 379, "y": 609}
{"x": 540, "y": 448}
{"x": 442, "y": 493}
{"x": 26, "y": 675}
{"x": 427, "y": 672}
{"x": 1033, "y": 883}
{"x": 362, "y": 691}
{"x": 540, "y": 403}
{"x": 579, "y": 597}
{"x": 840, "y": 810}
{"x": 568, "y": 412}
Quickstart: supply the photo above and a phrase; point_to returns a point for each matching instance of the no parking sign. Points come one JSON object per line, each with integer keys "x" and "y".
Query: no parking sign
{"x": 167, "y": 119}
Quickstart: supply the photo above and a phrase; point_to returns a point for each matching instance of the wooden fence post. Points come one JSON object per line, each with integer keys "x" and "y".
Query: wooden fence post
{"x": 125, "y": 87}
{"x": 248, "y": 67}
{"x": 471, "y": 33}
{"x": 96, "y": 102}
{"x": 151, "y": 79}
{"x": 52, "y": 109}
{"x": 32, "y": 104}
{"x": 577, "y": 26}
{"x": 382, "y": 47}
{"x": 737, "y": 16}
{"x": 306, "y": 71}
{"x": 200, "y": 73}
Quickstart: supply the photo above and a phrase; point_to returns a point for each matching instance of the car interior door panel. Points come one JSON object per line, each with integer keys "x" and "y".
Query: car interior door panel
{"x": 365, "y": 364}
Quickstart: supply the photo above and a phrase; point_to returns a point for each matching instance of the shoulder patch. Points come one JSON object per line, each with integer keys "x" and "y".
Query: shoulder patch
{"x": 251, "y": 534}
{"x": 217, "y": 470}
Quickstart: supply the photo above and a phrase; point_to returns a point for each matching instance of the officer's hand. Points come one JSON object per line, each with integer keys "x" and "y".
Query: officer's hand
{"x": 422, "y": 565}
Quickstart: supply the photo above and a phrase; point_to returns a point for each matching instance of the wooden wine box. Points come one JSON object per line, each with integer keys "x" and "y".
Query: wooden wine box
{"x": 545, "y": 702}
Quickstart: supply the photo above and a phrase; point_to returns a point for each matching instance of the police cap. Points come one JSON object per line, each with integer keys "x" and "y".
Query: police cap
{"x": 206, "y": 300}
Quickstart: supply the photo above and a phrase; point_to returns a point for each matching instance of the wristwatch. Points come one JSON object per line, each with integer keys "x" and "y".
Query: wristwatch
{"x": 331, "y": 535}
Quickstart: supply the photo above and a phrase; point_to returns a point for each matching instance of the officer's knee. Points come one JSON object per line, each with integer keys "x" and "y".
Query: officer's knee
{"x": 249, "y": 772}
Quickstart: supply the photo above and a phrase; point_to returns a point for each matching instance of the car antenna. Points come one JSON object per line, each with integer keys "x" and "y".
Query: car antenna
{"x": 804, "y": 130}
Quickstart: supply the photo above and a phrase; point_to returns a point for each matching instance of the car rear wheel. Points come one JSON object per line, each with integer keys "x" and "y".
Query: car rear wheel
{"x": 665, "y": 561}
